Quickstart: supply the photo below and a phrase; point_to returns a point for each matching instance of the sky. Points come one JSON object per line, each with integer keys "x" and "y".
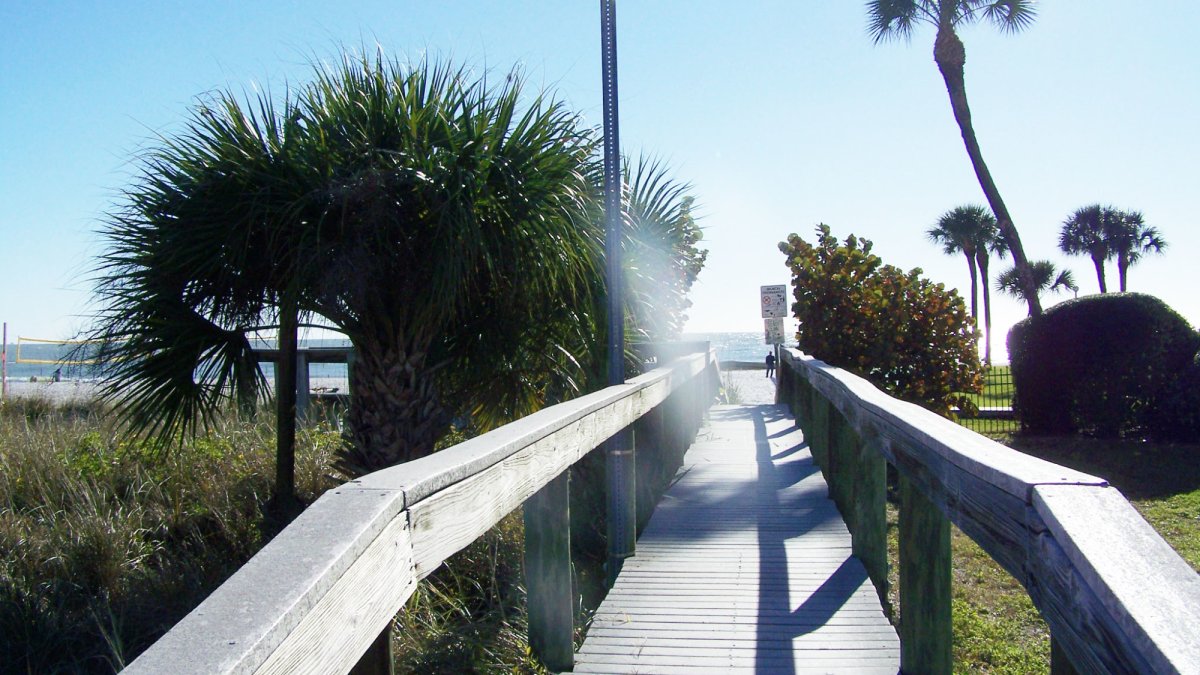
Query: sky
{"x": 779, "y": 114}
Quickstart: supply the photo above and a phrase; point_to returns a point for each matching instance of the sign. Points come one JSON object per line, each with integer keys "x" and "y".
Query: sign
{"x": 774, "y": 302}
{"x": 773, "y": 331}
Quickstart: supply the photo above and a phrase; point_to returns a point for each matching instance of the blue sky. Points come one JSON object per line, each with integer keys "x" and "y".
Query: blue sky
{"x": 780, "y": 114}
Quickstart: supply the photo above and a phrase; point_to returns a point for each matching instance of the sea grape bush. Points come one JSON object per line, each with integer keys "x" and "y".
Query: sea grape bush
{"x": 909, "y": 336}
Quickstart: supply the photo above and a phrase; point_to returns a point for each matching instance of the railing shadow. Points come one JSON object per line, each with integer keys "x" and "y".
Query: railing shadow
{"x": 779, "y": 521}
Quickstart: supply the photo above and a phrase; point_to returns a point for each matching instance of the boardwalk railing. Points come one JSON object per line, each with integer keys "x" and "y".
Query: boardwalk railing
{"x": 320, "y": 596}
{"x": 1117, "y": 598}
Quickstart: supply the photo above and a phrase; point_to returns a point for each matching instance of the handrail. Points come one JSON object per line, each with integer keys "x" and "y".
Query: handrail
{"x": 317, "y": 596}
{"x": 1117, "y": 598}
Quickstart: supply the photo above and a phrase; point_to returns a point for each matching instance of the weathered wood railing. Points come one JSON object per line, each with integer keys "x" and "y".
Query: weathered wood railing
{"x": 1117, "y": 598}
{"x": 321, "y": 594}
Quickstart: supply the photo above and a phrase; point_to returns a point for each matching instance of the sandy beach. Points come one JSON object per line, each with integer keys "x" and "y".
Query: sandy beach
{"x": 68, "y": 391}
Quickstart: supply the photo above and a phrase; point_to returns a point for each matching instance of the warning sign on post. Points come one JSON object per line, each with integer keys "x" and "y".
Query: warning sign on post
{"x": 774, "y": 302}
{"x": 773, "y": 331}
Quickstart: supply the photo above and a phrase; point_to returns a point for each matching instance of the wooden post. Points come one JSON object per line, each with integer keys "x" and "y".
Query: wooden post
{"x": 548, "y": 574}
{"x": 378, "y": 659}
{"x": 302, "y": 385}
{"x": 870, "y": 516}
{"x": 819, "y": 438}
{"x": 845, "y": 467}
{"x": 655, "y": 463}
{"x": 621, "y": 511}
{"x": 1059, "y": 663}
{"x": 925, "y": 625}
{"x": 285, "y": 405}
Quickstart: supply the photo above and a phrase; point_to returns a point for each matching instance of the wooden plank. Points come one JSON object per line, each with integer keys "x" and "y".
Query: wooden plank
{"x": 252, "y": 614}
{"x": 334, "y": 633}
{"x": 1134, "y": 604}
{"x": 925, "y": 625}
{"x": 551, "y": 597}
{"x": 744, "y": 565}
{"x": 355, "y": 555}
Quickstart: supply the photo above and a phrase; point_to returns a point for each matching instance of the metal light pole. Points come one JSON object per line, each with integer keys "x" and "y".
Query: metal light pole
{"x": 619, "y": 460}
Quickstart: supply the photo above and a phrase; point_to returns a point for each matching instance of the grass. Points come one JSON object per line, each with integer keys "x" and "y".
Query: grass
{"x": 997, "y": 389}
{"x": 106, "y": 543}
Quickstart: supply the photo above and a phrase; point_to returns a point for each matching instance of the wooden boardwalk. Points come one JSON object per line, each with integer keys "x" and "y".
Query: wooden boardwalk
{"x": 744, "y": 567}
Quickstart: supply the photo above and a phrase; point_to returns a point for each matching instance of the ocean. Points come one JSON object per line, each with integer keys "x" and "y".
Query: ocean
{"x": 731, "y": 346}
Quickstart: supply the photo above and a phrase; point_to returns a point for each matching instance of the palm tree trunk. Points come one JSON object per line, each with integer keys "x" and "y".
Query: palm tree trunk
{"x": 974, "y": 285}
{"x": 951, "y": 57}
{"x": 1099, "y": 263}
{"x": 396, "y": 414}
{"x": 1122, "y": 267}
{"x": 982, "y": 258}
{"x": 285, "y": 404}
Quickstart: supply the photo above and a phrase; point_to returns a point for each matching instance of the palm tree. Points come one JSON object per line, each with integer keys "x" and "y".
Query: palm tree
{"x": 1130, "y": 238}
{"x": 449, "y": 228}
{"x": 971, "y": 230}
{"x": 443, "y": 224}
{"x": 1088, "y": 232}
{"x": 1046, "y": 276}
{"x": 991, "y": 242}
{"x": 889, "y": 19}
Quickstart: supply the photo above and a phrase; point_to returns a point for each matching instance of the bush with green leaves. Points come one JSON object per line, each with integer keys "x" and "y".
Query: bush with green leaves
{"x": 1105, "y": 365}
{"x": 909, "y": 336}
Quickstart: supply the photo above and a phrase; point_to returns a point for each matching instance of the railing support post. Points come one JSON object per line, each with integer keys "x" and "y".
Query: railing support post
{"x": 925, "y": 626}
{"x": 655, "y": 463}
{"x": 378, "y": 659}
{"x": 550, "y": 597}
{"x": 870, "y": 515}
{"x": 621, "y": 468}
{"x": 1059, "y": 663}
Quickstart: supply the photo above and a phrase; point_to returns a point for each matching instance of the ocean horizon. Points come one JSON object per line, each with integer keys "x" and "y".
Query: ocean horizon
{"x": 730, "y": 346}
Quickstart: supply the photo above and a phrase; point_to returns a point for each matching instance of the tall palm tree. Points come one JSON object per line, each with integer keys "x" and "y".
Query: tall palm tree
{"x": 1045, "y": 274}
{"x": 958, "y": 231}
{"x": 891, "y": 19}
{"x": 1130, "y": 238}
{"x": 991, "y": 241}
{"x": 971, "y": 230}
{"x": 1088, "y": 232}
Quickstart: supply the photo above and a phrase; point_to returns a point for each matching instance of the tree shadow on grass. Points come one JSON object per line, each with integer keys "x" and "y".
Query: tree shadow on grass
{"x": 1140, "y": 470}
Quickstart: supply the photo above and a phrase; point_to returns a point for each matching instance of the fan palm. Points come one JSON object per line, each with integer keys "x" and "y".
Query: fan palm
{"x": 1130, "y": 238}
{"x": 1046, "y": 276}
{"x": 888, "y": 19}
{"x": 971, "y": 230}
{"x": 436, "y": 220}
{"x": 1088, "y": 232}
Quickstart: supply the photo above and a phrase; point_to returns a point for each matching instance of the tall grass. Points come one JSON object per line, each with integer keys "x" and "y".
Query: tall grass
{"x": 105, "y": 542}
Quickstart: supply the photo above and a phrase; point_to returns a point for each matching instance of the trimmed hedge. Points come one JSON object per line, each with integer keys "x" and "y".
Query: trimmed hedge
{"x": 1107, "y": 365}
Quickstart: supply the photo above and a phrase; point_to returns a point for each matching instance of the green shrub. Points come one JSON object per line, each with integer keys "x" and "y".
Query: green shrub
{"x": 907, "y": 335}
{"x": 1105, "y": 365}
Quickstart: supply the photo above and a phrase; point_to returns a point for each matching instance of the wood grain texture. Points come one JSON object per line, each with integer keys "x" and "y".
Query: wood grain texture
{"x": 333, "y": 634}
{"x": 315, "y": 597}
{"x": 925, "y": 625}
{"x": 1133, "y": 591}
{"x": 745, "y": 566}
{"x": 1116, "y": 597}
{"x": 551, "y": 598}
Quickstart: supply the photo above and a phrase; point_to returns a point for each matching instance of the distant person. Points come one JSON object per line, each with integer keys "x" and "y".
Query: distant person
{"x": 770, "y": 364}
{"x": 58, "y": 375}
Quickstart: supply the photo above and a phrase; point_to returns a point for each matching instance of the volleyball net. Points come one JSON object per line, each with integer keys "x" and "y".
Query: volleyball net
{"x": 55, "y": 352}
